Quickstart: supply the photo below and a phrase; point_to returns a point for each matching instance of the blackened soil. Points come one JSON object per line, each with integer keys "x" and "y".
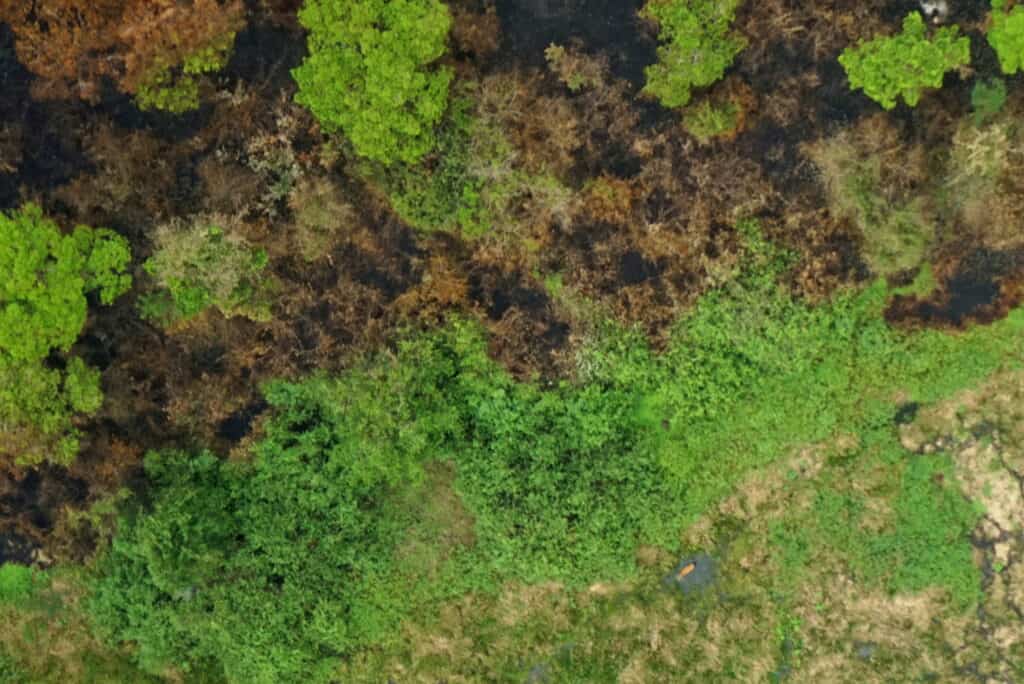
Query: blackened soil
{"x": 239, "y": 424}
{"x": 15, "y": 548}
{"x": 611, "y": 26}
{"x": 983, "y": 287}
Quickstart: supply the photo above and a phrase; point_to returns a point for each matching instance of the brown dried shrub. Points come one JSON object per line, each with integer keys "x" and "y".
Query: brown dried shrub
{"x": 476, "y": 33}
{"x": 72, "y": 45}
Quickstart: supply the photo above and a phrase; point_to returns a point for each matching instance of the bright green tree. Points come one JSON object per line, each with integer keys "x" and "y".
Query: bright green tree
{"x": 43, "y": 308}
{"x": 698, "y": 46}
{"x": 903, "y": 65}
{"x": 1006, "y": 36}
{"x": 369, "y": 73}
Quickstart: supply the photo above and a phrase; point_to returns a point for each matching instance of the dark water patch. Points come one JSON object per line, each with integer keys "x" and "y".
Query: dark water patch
{"x": 239, "y": 424}
{"x": 691, "y": 574}
{"x": 608, "y": 26}
{"x": 968, "y": 293}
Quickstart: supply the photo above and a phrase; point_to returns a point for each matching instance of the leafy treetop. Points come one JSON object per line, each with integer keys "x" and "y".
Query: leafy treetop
{"x": 368, "y": 73}
{"x": 698, "y": 47}
{"x": 1006, "y": 36}
{"x": 905, "y": 64}
{"x": 43, "y": 307}
{"x": 46, "y": 276}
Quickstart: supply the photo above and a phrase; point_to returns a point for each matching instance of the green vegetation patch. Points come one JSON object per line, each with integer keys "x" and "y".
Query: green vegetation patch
{"x": 1006, "y": 35}
{"x": 698, "y": 45}
{"x": 707, "y": 120}
{"x": 442, "y": 192}
{"x": 321, "y": 545}
{"x": 18, "y": 582}
{"x": 43, "y": 308}
{"x": 471, "y": 182}
{"x": 175, "y": 89}
{"x": 929, "y": 544}
{"x": 203, "y": 265}
{"x": 987, "y": 100}
{"x": 887, "y": 68}
{"x": 369, "y": 73}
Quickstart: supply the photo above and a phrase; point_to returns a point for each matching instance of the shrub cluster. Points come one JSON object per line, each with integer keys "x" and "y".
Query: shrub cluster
{"x": 43, "y": 308}
{"x": 1006, "y": 36}
{"x": 369, "y": 73}
{"x": 175, "y": 88}
{"x": 205, "y": 265}
{"x": 698, "y": 46}
{"x": 272, "y": 570}
{"x": 887, "y": 68}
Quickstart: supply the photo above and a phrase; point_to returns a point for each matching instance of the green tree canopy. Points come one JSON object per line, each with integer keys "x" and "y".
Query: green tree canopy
{"x": 368, "y": 73}
{"x": 1006, "y": 36}
{"x": 698, "y": 46}
{"x": 903, "y": 65}
{"x": 43, "y": 307}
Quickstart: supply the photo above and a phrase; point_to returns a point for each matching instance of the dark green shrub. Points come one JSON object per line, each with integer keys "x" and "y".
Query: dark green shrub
{"x": 273, "y": 570}
{"x": 1006, "y": 35}
{"x": 697, "y": 46}
{"x": 369, "y": 73}
{"x": 43, "y": 308}
{"x": 202, "y": 265}
{"x": 887, "y": 68}
{"x": 987, "y": 100}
